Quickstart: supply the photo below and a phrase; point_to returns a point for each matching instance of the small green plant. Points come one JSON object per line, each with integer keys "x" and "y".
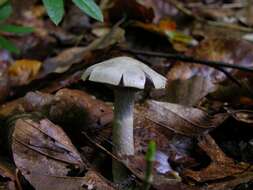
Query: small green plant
{"x": 150, "y": 158}
{"x": 5, "y": 12}
{"x": 55, "y": 9}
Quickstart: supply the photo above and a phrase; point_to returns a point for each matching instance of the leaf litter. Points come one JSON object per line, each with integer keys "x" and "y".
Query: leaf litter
{"x": 56, "y": 131}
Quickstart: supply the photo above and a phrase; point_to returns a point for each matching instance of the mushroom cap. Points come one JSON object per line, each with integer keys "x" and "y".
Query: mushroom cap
{"x": 131, "y": 72}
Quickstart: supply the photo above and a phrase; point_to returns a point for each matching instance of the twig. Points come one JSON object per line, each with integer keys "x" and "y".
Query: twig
{"x": 101, "y": 147}
{"x": 189, "y": 59}
{"x": 189, "y": 13}
{"x": 234, "y": 5}
{"x": 228, "y": 75}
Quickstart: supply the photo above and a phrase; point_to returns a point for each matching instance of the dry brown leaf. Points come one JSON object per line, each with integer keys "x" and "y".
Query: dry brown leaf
{"x": 80, "y": 107}
{"x": 35, "y": 101}
{"x": 42, "y": 147}
{"x": 65, "y": 59}
{"x": 91, "y": 181}
{"x": 181, "y": 119}
{"x": 243, "y": 178}
{"x": 90, "y": 112}
{"x": 176, "y": 148}
{"x": 188, "y": 83}
{"x": 221, "y": 166}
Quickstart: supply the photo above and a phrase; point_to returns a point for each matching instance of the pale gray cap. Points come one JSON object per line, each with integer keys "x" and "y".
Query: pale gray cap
{"x": 130, "y": 71}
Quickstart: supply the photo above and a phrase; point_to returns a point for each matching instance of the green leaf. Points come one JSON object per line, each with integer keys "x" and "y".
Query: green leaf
{"x": 15, "y": 29}
{"x": 90, "y": 8}
{"x": 3, "y": 2}
{"x": 55, "y": 10}
{"x": 5, "y": 11}
{"x": 6, "y": 44}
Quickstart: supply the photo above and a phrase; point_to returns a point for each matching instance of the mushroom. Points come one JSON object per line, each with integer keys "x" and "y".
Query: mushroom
{"x": 126, "y": 75}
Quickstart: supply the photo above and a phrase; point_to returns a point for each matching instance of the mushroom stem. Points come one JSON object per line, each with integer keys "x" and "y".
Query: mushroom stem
{"x": 123, "y": 139}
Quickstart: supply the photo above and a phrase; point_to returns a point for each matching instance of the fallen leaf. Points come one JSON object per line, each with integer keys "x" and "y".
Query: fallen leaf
{"x": 243, "y": 178}
{"x": 220, "y": 167}
{"x": 181, "y": 119}
{"x": 37, "y": 101}
{"x": 245, "y": 116}
{"x": 43, "y": 148}
{"x": 194, "y": 81}
{"x": 167, "y": 28}
{"x": 23, "y": 71}
{"x": 7, "y": 170}
{"x": 187, "y": 91}
{"x": 10, "y": 108}
{"x": 65, "y": 59}
{"x": 63, "y": 82}
{"x": 80, "y": 107}
{"x": 175, "y": 147}
{"x": 91, "y": 181}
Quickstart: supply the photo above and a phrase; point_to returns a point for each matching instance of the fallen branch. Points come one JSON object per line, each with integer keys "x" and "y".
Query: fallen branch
{"x": 189, "y": 59}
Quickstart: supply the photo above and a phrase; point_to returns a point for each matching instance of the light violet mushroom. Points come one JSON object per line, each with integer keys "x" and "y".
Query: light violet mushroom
{"x": 127, "y": 76}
